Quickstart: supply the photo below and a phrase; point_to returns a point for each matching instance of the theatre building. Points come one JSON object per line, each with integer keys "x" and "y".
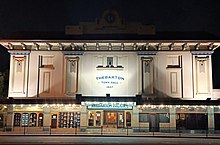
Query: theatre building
{"x": 112, "y": 74}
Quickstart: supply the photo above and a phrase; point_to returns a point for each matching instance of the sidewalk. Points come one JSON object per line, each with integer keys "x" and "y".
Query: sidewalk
{"x": 111, "y": 134}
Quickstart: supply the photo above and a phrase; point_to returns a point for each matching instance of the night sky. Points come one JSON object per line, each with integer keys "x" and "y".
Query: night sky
{"x": 166, "y": 15}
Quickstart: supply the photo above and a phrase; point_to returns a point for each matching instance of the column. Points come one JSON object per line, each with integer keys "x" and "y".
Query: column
{"x": 9, "y": 117}
{"x": 202, "y": 75}
{"x": 46, "y": 121}
{"x": 135, "y": 117}
{"x": 172, "y": 118}
{"x": 18, "y": 78}
{"x": 83, "y": 118}
{"x": 211, "y": 123}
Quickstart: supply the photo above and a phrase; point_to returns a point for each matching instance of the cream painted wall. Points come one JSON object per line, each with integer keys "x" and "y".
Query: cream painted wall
{"x": 90, "y": 85}
{"x": 185, "y": 68}
{"x": 90, "y": 81}
{"x": 56, "y": 77}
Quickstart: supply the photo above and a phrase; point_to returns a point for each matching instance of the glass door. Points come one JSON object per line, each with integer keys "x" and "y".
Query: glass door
{"x": 154, "y": 122}
{"x": 120, "y": 119}
{"x": 40, "y": 119}
{"x": 111, "y": 119}
{"x": 54, "y": 121}
{"x": 1, "y": 120}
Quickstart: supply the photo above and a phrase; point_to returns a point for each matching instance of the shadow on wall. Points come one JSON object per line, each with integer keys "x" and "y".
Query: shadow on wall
{"x": 158, "y": 95}
{"x": 216, "y": 69}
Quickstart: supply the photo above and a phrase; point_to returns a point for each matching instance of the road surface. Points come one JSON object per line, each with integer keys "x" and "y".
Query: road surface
{"x": 79, "y": 140}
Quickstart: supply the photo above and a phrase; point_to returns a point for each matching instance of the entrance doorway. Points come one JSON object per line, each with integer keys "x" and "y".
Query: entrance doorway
{"x": 114, "y": 119}
{"x": 153, "y": 122}
{"x": 1, "y": 120}
{"x": 54, "y": 121}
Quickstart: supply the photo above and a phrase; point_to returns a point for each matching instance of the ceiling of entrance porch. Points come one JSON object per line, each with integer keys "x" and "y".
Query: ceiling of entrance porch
{"x": 111, "y": 45}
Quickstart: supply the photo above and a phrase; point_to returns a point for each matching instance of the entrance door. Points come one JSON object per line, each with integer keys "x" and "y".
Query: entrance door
{"x": 1, "y": 120}
{"x": 111, "y": 119}
{"x": 120, "y": 119}
{"x": 153, "y": 122}
{"x": 128, "y": 119}
{"x": 54, "y": 121}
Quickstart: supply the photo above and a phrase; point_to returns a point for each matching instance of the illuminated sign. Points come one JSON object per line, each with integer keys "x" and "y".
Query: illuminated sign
{"x": 110, "y": 81}
{"x": 110, "y": 77}
{"x": 109, "y": 106}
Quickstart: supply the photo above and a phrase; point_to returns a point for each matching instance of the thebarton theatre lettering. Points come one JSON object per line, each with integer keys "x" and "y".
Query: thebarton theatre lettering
{"x": 110, "y": 77}
{"x": 110, "y": 106}
{"x": 110, "y": 81}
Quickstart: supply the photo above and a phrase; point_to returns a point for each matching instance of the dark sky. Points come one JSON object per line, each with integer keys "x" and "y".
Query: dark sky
{"x": 166, "y": 15}
{"x": 45, "y": 15}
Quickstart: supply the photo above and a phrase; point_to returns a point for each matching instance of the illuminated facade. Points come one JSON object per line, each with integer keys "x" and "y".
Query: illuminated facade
{"x": 87, "y": 83}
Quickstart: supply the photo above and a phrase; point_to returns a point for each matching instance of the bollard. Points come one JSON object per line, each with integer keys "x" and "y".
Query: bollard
{"x": 24, "y": 129}
{"x": 5, "y": 128}
{"x": 101, "y": 130}
{"x": 75, "y": 130}
{"x": 127, "y": 130}
{"x": 153, "y": 131}
{"x": 207, "y": 132}
{"x": 179, "y": 133}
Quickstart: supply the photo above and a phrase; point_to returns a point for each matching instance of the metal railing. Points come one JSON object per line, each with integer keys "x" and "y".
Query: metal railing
{"x": 109, "y": 131}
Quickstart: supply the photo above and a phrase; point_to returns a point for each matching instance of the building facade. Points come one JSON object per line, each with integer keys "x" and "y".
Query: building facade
{"x": 143, "y": 84}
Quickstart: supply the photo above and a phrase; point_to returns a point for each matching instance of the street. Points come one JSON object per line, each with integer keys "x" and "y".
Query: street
{"x": 82, "y": 140}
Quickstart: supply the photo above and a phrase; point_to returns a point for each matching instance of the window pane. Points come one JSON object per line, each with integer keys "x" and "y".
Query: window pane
{"x": 164, "y": 118}
{"x": 109, "y": 61}
{"x": 91, "y": 119}
{"x": 143, "y": 117}
{"x": 98, "y": 118}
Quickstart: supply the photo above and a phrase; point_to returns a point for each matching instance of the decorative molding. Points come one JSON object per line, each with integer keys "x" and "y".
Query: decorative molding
{"x": 19, "y": 52}
{"x": 196, "y": 47}
{"x": 146, "y": 52}
{"x": 201, "y": 52}
{"x": 73, "y": 52}
{"x": 110, "y": 23}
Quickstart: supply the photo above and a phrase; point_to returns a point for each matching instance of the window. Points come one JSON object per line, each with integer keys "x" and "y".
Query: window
{"x": 164, "y": 118}
{"x": 1, "y": 120}
{"x": 98, "y": 118}
{"x": 128, "y": 118}
{"x": 69, "y": 119}
{"x": 91, "y": 119}
{"x": 17, "y": 119}
{"x": 40, "y": 119}
{"x": 217, "y": 122}
{"x": 94, "y": 118}
{"x": 192, "y": 121}
{"x": 24, "y": 121}
{"x": 143, "y": 117}
{"x": 47, "y": 61}
{"x": 109, "y": 62}
{"x": 174, "y": 61}
{"x": 33, "y": 120}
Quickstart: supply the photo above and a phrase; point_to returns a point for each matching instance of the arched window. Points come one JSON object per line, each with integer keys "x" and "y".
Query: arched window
{"x": 40, "y": 119}
{"x": 24, "y": 121}
{"x": 91, "y": 118}
{"x": 98, "y": 118}
{"x": 33, "y": 120}
{"x": 128, "y": 118}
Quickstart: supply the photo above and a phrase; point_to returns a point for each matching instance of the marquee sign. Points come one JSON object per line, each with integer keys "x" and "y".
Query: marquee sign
{"x": 110, "y": 106}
